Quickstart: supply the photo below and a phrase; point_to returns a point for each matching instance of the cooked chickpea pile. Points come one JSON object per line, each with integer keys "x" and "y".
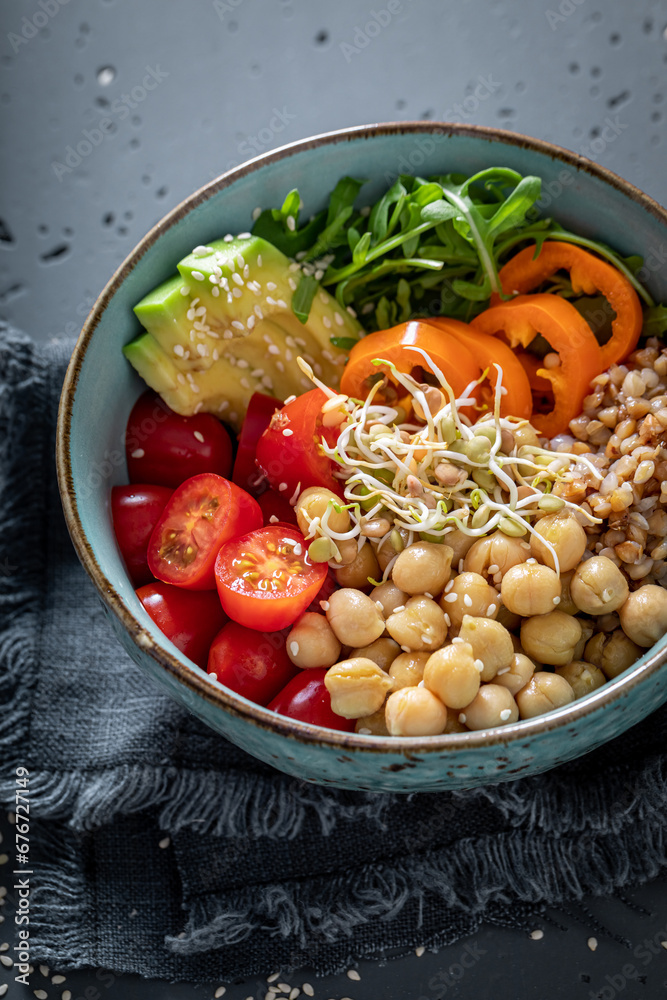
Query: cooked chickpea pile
{"x": 469, "y": 629}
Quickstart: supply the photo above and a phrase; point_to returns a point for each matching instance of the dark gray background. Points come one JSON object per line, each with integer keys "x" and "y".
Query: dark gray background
{"x": 237, "y": 77}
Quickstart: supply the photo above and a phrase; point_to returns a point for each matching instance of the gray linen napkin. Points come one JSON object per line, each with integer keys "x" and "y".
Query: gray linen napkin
{"x": 261, "y": 871}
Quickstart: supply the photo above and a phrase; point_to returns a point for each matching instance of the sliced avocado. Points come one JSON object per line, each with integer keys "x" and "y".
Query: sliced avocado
{"x": 225, "y": 325}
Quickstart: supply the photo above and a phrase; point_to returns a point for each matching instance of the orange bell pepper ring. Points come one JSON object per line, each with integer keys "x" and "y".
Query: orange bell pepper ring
{"x": 588, "y": 274}
{"x": 568, "y": 333}
{"x": 517, "y": 400}
{"x": 456, "y": 362}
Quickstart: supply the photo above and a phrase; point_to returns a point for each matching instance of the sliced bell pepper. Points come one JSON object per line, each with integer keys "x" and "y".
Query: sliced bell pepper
{"x": 517, "y": 401}
{"x": 521, "y": 319}
{"x": 588, "y": 274}
{"x": 454, "y": 359}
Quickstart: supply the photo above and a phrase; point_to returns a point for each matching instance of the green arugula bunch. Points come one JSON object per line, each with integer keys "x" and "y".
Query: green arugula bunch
{"x": 427, "y": 247}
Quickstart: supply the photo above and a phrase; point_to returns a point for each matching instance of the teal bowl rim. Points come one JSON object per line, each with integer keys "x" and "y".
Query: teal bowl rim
{"x": 179, "y": 668}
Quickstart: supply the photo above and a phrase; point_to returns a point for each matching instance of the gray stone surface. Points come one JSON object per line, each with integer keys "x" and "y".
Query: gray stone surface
{"x": 236, "y": 77}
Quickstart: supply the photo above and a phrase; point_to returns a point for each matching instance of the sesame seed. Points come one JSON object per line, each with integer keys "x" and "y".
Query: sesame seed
{"x": 324, "y": 605}
{"x": 257, "y": 372}
{"x": 479, "y": 665}
{"x": 179, "y": 350}
{"x": 449, "y": 586}
{"x": 215, "y": 291}
{"x": 6, "y": 961}
{"x": 458, "y": 639}
{"x": 272, "y": 978}
{"x": 244, "y": 382}
{"x": 280, "y": 366}
{"x": 505, "y": 714}
{"x": 401, "y": 607}
{"x": 271, "y": 285}
{"x": 491, "y": 610}
{"x": 67, "y": 995}
{"x": 213, "y": 278}
{"x": 291, "y": 224}
{"x": 259, "y": 260}
{"x": 290, "y": 399}
{"x": 292, "y": 283}
{"x": 537, "y": 935}
{"x": 351, "y": 311}
{"x": 3, "y": 989}
{"x": 420, "y": 951}
{"x": 448, "y": 620}
{"x": 258, "y": 313}
{"x": 467, "y": 600}
{"x": 287, "y": 432}
{"x": 450, "y": 598}
{"x": 185, "y": 290}
{"x": 237, "y": 278}
{"x": 281, "y": 303}
{"x": 242, "y": 363}
{"x": 220, "y": 992}
{"x": 326, "y": 322}
{"x": 251, "y": 322}
{"x": 338, "y": 319}
{"x": 285, "y": 987}
{"x": 237, "y": 324}
{"x": 462, "y": 718}
{"x": 138, "y": 453}
{"x": 237, "y": 293}
{"x": 426, "y": 594}
{"x": 503, "y": 670}
{"x": 425, "y": 639}
{"x": 256, "y": 212}
{"x": 294, "y": 993}
{"x": 270, "y": 301}
{"x": 282, "y": 486}
{"x": 224, "y": 284}
{"x": 592, "y": 943}
{"x": 199, "y": 436}
{"x": 406, "y": 649}
{"x": 273, "y": 349}
{"x": 307, "y": 988}
{"x": 180, "y": 378}
{"x": 228, "y": 238}
{"x": 165, "y": 842}
{"x": 493, "y": 568}
{"x": 353, "y": 974}
{"x": 197, "y": 275}
{"x": 41, "y": 994}
{"x": 556, "y": 600}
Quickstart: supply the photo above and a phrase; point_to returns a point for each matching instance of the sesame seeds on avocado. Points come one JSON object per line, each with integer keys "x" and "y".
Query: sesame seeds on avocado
{"x": 223, "y": 328}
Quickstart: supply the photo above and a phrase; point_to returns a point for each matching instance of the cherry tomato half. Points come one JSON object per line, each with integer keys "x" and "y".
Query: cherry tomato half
{"x": 288, "y": 451}
{"x": 253, "y": 664}
{"x": 135, "y": 511}
{"x": 164, "y": 448}
{"x": 306, "y": 698}
{"x": 191, "y": 620}
{"x": 266, "y": 577}
{"x": 258, "y": 417}
{"x": 203, "y": 512}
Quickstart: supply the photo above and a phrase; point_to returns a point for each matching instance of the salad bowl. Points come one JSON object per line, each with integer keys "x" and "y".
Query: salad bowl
{"x": 101, "y": 387}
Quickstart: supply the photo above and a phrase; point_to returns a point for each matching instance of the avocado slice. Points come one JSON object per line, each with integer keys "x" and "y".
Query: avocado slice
{"x": 223, "y": 328}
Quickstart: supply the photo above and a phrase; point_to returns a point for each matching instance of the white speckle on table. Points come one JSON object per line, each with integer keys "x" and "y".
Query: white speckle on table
{"x": 165, "y": 842}
{"x": 592, "y": 943}
{"x": 537, "y": 935}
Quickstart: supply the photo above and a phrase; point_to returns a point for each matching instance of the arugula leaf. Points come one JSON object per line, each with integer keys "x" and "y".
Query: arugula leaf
{"x": 655, "y": 321}
{"x": 303, "y": 296}
{"x": 343, "y": 196}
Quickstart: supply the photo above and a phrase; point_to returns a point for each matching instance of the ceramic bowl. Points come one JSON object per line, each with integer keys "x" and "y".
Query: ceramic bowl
{"x": 100, "y": 389}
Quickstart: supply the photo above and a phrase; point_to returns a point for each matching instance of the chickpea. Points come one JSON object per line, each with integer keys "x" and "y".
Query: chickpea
{"x": 542, "y": 694}
{"x": 586, "y": 632}
{"x": 407, "y": 670}
{"x": 372, "y": 725}
{"x": 564, "y": 534}
{"x": 423, "y": 568}
{"x": 491, "y": 643}
{"x": 644, "y": 614}
{"x": 612, "y": 652}
{"x": 356, "y": 573}
{"x": 517, "y": 675}
{"x": 383, "y": 652}
{"x": 313, "y": 503}
{"x": 498, "y": 551}
{"x": 358, "y": 687}
{"x": 492, "y": 706}
{"x": 420, "y": 626}
{"x": 582, "y": 677}
{"x": 354, "y": 618}
{"x": 459, "y": 543}
{"x": 550, "y": 638}
{"x": 566, "y": 603}
{"x": 598, "y": 586}
{"x": 312, "y": 643}
{"x": 452, "y": 674}
{"x": 530, "y": 589}
{"x": 469, "y": 594}
{"x": 415, "y": 711}
{"x": 389, "y": 596}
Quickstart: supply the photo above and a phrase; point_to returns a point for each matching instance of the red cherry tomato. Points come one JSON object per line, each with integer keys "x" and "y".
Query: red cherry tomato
{"x": 294, "y": 461}
{"x": 276, "y": 505}
{"x": 266, "y": 578}
{"x": 191, "y": 620}
{"x": 164, "y": 448}
{"x": 258, "y": 417}
{"x": 135, "y": 511}
{"x": 307, "y": 699}
{"x": 253, "y": 664}
{"x": 203, "y": 512}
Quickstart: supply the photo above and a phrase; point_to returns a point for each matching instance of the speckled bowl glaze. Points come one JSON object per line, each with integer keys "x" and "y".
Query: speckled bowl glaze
{"x": 101, "y": 387}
